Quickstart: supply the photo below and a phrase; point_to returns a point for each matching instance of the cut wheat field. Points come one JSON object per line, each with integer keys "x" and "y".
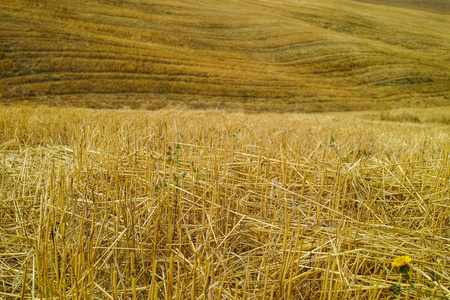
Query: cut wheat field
{"x": 198, "y": 187}
{"x": 195, "y": 204}
{"x": 256, "y": 55}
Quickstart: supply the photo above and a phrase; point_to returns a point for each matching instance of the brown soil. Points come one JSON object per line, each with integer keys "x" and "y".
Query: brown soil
{"x": 435, "y": 6}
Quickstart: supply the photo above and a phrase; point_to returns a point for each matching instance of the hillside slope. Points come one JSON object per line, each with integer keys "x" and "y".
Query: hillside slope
{"x": 254, "y": 54}
{"x": 435, "y": 6}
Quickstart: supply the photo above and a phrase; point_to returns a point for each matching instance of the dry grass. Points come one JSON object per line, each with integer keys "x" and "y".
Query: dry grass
{"x": 414, "y": 115}
{"x": 259, "y": 55}
{"x": 179, "y": 204}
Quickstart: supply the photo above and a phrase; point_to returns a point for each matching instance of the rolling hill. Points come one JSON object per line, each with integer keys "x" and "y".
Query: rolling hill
{"x": 257, "y": 55}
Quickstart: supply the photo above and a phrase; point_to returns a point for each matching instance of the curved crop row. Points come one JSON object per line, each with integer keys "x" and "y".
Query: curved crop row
{"x": 278, "y": 52}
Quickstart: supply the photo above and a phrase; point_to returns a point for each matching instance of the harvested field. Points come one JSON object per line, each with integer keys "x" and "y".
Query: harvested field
{"x": 283, "y": 55}
{"x": 183, "y": 204}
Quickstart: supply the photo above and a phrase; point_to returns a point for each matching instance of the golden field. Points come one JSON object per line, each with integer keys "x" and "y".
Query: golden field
{"x": 157, "y": 149}
{"x": 255, "y": 55}
{"x": 205, "y": 204}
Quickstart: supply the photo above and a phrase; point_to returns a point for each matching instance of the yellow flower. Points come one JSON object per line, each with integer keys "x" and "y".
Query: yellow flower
{"x": 401, "y": 261}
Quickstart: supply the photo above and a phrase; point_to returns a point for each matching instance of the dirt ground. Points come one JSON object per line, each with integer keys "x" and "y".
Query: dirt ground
{"x": 435, "y": 6}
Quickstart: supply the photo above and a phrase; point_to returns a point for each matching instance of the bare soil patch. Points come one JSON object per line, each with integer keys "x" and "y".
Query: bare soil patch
{"x": 435, "y": 6}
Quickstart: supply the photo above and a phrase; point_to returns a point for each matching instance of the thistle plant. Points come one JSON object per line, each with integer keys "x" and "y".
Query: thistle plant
{"x": 402, "y": 262}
